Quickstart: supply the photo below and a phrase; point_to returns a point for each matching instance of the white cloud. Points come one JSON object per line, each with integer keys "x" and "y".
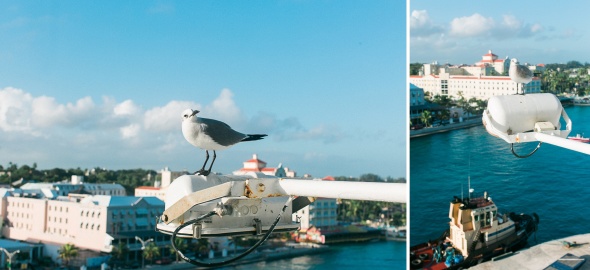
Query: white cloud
{"x": 473, "y": 25}
{"x": 291, "y": 129}
{"x": 126, "y": 108}
{"x": 130, "y": 131}
{"x": 43, "y": 129}
{"x": 419, "y": 18}
{"x": 421, "y": 25}
{"x": 511, "y": 22}
{"x": 225, "y": 109}
{"x": 536, "y": 28}
{"x": 15, "y": 113}
{"x": 449, "y": 41}
{"x": 168, "y": 117}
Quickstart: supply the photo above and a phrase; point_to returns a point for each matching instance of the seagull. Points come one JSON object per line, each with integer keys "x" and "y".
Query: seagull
{"x": 210, "y": 134}
{"x": 519, "y": 74}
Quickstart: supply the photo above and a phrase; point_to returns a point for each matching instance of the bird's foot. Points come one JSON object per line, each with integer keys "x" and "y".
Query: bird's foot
{"x": 203, "y": 172}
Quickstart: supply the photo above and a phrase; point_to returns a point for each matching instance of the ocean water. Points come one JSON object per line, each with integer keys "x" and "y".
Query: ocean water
{"x": 371, "y": 255}
{"x": 554, "y": 182}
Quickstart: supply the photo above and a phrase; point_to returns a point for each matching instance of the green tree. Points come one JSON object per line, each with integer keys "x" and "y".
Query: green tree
{"x": 68, "y": 252}
{"x": 151, "y": 251}
{"x": 425, "y": 117}
{"x": 415, "y": 68}
{"x": 369, "y": 177}
{"x": 119, "y": 252}
{"x": 201, "y": 247}
{"x": 181, "y": 245}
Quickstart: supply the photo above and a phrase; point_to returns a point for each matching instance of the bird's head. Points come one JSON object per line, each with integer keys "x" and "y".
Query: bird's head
{"x": 188, "y": 113}
{"x": 514, "y": 61}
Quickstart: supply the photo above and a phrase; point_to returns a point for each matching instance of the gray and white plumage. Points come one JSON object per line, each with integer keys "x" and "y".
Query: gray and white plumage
{"x": 519, "y": 73}
{"x": 211, "y": 134}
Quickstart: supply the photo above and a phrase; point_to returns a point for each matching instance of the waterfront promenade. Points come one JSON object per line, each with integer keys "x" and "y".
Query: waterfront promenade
{"x": 471, "y": 122}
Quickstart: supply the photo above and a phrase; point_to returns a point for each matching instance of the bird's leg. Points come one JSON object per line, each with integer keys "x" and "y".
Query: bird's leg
{"x": 202, "y": 170}
{"x": 211, "y": 165}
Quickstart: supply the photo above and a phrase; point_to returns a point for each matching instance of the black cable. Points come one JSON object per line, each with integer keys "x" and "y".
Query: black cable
{"x": 527, "y": 155}
{"x": 222, "y": 263}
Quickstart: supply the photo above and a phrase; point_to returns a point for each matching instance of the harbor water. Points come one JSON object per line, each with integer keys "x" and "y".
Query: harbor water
{"x": 371, "y": 255}
{"x": 553, "y": 182}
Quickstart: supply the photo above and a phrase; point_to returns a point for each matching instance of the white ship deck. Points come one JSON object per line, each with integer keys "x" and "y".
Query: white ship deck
{"x": 542, "y": 255}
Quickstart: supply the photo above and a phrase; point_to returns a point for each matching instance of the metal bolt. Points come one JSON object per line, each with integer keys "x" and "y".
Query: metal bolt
{"x": 261, "y": 187}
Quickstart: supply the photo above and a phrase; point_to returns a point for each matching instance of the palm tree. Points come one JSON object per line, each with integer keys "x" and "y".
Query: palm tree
{"x": 181, "y": 245}
{"x": 120, "y": 252}
{"x": 151, "y": 251}
{"x": 201, "y": 247}
{"x": 68, "y": 252}
{"x": 351, "y": 210}
{"x": 425, "y": 117}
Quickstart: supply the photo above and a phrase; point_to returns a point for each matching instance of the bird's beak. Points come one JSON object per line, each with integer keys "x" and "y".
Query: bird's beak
{"x": 194, "y": 112}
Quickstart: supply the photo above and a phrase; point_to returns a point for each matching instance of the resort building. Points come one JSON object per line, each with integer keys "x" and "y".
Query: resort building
{"x": 93, "y": 223}
{"x": 159, "y": 189}
{"x": 78, "y": 186}
{"x": 481, "y": 81}
{"x": 258, "y": 166}
{"x": 320, "y": 213}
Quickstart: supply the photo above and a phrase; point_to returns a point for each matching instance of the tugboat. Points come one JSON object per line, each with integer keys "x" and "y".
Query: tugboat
{"x": 477, "y": 233}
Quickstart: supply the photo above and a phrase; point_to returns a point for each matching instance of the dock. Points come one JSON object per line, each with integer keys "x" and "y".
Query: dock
{"x": 543, "y": 256}
{"x": 472, "y": 122}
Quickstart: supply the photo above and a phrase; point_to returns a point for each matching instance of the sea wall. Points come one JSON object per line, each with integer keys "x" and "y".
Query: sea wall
{"x": 472, "y": 122}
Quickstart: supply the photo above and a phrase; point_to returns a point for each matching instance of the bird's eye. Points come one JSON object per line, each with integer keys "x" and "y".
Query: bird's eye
{"x": 186, "y": 115}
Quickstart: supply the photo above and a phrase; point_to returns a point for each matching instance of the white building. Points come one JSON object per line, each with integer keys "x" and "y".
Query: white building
{"x": 320, "y": 213}
{"x": 491, "y": 60}
{"x": 473, "y": 81}
{"x": 258, "y": 166}
{"x": 77, "y": 185}
{"x": 94, "y": 223}
{"x": 159, "y": 189}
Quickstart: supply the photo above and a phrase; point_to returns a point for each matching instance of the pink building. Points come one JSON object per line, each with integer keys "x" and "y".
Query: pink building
{"x": 258, "y": 166}
{"x": 94, "y": 224}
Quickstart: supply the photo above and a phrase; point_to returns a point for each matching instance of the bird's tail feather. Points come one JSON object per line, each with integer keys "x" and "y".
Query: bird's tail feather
{"x": 254, "y": 137}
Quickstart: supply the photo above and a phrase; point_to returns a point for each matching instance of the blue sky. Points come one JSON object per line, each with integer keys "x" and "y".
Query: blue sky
{"x": 103, "y": 84}
{"x": 532, "y": 31}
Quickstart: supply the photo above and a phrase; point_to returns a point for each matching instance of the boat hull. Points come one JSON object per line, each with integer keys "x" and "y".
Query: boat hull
{"x": 422, "y": 256}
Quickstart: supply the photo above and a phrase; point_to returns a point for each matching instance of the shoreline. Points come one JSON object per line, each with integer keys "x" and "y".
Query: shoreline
{"x": 472, "y": 122}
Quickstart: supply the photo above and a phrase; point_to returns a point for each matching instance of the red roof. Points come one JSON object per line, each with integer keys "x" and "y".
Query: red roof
{"x": 500, "y": 78}
{"x": 257, "y": 170}
{"x": 329, "y": 178}
{"x": 148, "y": 187}
{"x": 256, "y": 160}
{"x": 491, "y": 61}
{"x": 418, "y": 76}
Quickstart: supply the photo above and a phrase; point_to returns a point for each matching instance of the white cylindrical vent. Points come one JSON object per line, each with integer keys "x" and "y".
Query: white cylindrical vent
{"x": 518, "y": 113}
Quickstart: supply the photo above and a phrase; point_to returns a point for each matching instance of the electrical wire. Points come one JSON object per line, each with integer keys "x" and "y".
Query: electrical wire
{"x": 222, "y": 263}
{"x": 527, "y": 155}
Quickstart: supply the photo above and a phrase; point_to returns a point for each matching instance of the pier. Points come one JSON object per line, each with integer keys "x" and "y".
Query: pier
{"x": 471, "y": 122}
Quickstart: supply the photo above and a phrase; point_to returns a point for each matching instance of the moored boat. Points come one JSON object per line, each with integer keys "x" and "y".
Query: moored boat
{"x": 579, "y": 138}
{"x": 477, "y": 232}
